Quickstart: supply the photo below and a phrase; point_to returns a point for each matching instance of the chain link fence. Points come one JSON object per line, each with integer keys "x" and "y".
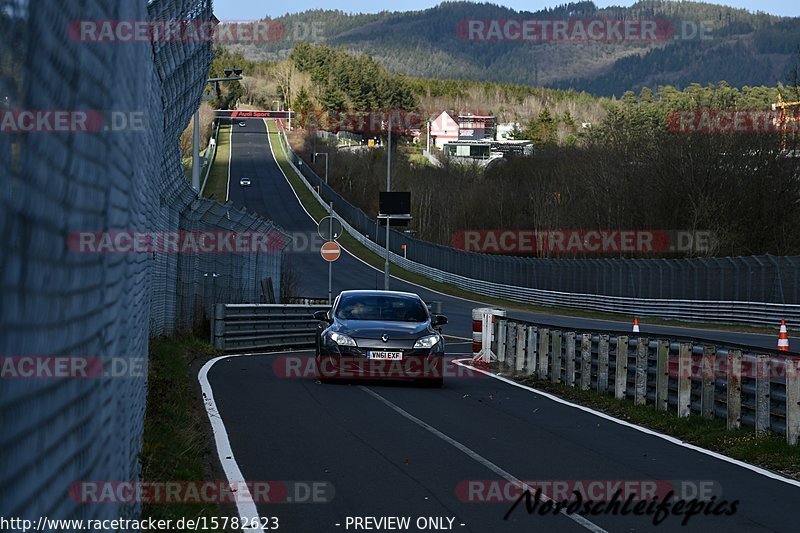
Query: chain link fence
{"x": 100, "y": 306}
{"x": 749, "y": 279}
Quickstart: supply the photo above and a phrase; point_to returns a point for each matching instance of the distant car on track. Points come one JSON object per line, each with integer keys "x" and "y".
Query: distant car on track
{"x": 242, "y": 124}
{"x": 245, "y": 182}
{"x": 380, "y": 334}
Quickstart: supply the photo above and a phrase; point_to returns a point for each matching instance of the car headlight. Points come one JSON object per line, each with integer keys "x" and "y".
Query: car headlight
{"x": 341, "y": 340}
{"x": 428, "y": 342}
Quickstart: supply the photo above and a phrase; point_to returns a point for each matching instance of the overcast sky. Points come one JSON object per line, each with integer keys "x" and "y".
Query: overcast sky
{"x": 257, "y": 9}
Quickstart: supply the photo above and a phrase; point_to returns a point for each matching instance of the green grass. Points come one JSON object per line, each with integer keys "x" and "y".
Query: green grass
{"x": 176, "y": 434}
{"x": 770, "y": 451}
{"x": 217, "y": 186}
{"x": 365, "y": 254}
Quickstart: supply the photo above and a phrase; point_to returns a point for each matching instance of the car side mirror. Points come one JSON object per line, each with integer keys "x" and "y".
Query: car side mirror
{"x": 438, "y": 320}
{"x": 322, "y": 316}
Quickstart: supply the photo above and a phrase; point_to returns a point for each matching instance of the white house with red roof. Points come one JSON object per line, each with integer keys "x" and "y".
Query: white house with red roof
{"x": 444, "y": 129}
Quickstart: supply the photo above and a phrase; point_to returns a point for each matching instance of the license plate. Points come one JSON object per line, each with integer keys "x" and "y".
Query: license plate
{"x": 386, "y": 356}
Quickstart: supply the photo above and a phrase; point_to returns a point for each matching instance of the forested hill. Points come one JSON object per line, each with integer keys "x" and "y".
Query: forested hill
{"x": 740, "y": 47}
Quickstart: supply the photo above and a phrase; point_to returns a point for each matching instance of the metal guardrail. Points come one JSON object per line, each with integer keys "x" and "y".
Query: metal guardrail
{"x": 210, "y": 157}
{"x": 727, "y": 312}
{"x": 253, "y": 327}
{"x": 746, "y": 386}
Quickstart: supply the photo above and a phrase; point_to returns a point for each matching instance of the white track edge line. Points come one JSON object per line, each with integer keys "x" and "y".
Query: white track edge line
{"x": 475, "y": 456}
{"x": 668, "y": 438}
{"x": 246, "y": 507}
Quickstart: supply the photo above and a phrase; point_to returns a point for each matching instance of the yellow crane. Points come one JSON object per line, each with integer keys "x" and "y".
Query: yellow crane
{"x": 784, "y": 118}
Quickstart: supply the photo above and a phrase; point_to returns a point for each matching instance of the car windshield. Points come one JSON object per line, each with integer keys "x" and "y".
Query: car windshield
{"x": 376, "y": 307}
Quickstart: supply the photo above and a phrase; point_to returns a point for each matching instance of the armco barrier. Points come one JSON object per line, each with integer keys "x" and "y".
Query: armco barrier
{"x": 728, "y": 312}
{"x": 254, "y": 327}
{"x": 747, "y": 386}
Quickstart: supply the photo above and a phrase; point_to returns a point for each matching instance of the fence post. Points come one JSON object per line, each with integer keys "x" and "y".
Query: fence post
{"x": 570, "y": 356}
{"x": 621, "y": 374}
{"x": 519, "y": 360}
{"x": 685, "y": 380}
{"x": 530, "y": 364}
{"x": 602, "y": 363}
{"x": 544, "y": 352}
{"x": 586, "y": 361}
{"x": 662, "y": 375}
{"x": 792, "y": 370}
{"x": 501, "y": 340}
{"x": 556, "y": 370}
{"x": 641, "y": 371}
{"x": 709, "y": 378}
{"x": 734, "y": 415}
{"x": 762, "y": 393}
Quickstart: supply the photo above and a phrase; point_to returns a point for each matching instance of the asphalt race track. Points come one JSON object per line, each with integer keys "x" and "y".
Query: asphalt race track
{"x": 399, "y": 450}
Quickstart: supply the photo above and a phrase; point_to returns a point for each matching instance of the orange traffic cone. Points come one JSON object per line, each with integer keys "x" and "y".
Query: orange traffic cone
{"x": 783, "y": 338}
{"x": 636, "y": 325}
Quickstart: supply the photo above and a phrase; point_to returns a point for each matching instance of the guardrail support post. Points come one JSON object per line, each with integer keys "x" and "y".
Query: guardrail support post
{"x": 511, "y": 344}
{"x": 586, "y": 361}
{"x": 544, "y": 352}
{"x": 642, "y": 347}
{"x": 734, "y": 416}
{"x": 530, "y": 358}
{"x": 218, "y": 327}
{"x": 501, "y": 340}
{"x": 792, "y": 371}
{"x": 556, "y": 370}
{"x": 762, "y": 393}
{"x": 570, "y": 356}
{"x": 709, "y": 378}
{"x": 662, "y": 375}
{"x": 520, "y": 357}
{"x": 602, "y": 363}
{"x": 685, "y": 380}
{"x": 621, "y": 374}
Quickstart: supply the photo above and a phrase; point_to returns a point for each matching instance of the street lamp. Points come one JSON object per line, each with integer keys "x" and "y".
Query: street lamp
{"x": 326, "y": 163}
{"x": 231, "y": 74}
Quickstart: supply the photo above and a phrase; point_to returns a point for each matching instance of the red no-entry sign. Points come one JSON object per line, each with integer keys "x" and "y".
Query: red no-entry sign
{"x": 331, "y": 251}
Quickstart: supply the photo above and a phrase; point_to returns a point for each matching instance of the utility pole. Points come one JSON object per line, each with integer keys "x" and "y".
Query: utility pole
{"x": 429, "y": 138}
{"x": 388, "y": 189}
{"x": 196, "y": 152}
{"x": 231, "y": 74}
{"x": 389, "y": 158}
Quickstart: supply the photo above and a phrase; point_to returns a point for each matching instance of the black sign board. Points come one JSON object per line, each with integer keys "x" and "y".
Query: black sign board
{"x": 395, "y": 203}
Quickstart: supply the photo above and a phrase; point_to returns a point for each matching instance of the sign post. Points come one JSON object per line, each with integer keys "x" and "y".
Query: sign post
{"x": 330, "y": 228}
{"x": 393, "y": 206}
